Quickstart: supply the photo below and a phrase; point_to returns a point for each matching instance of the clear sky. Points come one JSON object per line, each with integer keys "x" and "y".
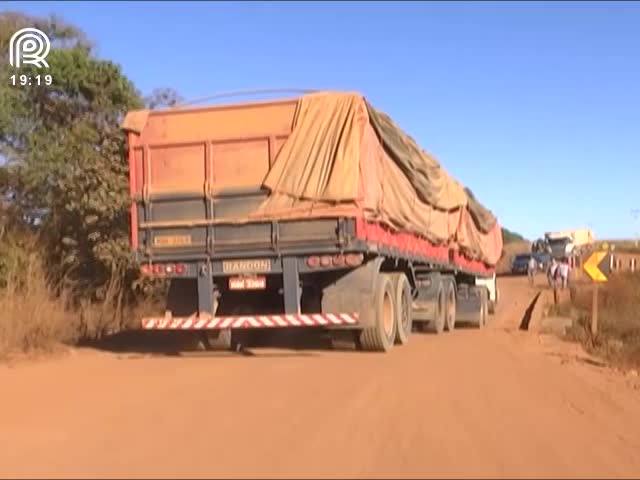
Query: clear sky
{"x": 535, "y": 106}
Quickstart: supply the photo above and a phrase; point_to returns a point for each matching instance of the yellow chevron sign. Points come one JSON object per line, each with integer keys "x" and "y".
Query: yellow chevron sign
{"x": 598, "y": 266}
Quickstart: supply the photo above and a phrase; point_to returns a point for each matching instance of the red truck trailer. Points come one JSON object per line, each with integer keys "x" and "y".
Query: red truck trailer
{"x": 308, "y": 212}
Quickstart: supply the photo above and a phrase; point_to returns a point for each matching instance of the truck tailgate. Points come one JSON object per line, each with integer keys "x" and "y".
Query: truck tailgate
{"x": 190, "y": 169}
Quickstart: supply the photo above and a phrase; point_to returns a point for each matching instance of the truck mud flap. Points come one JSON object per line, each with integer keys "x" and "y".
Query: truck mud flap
{"x": 353, "y": 292}
{"x": 207, "y": 322}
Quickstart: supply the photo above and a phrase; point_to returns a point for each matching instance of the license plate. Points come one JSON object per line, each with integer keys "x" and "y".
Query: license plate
{"x": 247, "y": 283}
{"x": 172, "y": 240}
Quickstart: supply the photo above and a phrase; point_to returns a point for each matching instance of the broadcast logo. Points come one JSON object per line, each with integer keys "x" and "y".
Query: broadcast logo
{"x": 29, "y": 46}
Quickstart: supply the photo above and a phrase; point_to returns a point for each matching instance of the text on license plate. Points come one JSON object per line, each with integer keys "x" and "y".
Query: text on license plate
{"x": 171, "y": 240}
{"x": 247, "y": 283}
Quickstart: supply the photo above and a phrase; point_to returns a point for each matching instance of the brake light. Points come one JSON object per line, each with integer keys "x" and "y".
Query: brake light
{"x": 162, "y": 269}
{"x": 354, "y": 259}
{"x": 313, "y": 262}
{"x": 339, "y": 261}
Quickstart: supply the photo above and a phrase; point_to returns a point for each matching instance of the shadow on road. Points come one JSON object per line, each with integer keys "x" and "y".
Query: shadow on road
{"x": 526, "y": 319}
{"x": 246, "y": 343}
{"x": 189, "y": 344}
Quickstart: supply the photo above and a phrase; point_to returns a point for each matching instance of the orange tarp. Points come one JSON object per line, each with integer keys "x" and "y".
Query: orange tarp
{"x": 325, "y": 154}
{"x": 334, "y": 163}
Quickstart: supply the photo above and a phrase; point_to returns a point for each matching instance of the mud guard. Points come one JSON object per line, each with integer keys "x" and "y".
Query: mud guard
{"x": 353, "y": 292}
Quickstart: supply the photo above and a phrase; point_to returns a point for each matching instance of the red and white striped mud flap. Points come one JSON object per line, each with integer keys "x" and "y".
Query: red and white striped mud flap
{"x": 207, "y": 322}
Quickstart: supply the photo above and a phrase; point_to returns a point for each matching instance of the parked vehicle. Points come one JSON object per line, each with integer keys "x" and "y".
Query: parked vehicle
{"x": 311, "y": 212}
{"x": 520, "y": 264}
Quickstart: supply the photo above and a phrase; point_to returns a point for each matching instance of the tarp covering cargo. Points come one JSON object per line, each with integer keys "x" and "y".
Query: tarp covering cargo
{"x": 344, "y": 157}
{"x": 325, "y": 154}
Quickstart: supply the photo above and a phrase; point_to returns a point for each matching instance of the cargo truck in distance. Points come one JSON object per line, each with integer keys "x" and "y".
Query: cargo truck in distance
{"x": 309, "y": 212}
{"x": 569, "y": 243}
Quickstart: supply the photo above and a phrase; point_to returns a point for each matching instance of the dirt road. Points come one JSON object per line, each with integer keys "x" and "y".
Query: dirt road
{"x": 497, "y": 402}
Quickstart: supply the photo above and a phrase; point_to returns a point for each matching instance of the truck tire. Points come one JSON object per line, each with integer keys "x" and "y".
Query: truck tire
{"x": 404, "y": 312}
{"x": 450, "y": 304}
{"x": 482, "y": 315}
{"x": 437, "y": 324}
{"x": 491, "y": 308}
{"x": 380, "y": 336}
{"x": 492, "y": 304}
{"x": 484, "y": 295}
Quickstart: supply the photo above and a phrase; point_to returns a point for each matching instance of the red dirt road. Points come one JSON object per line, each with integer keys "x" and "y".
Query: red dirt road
{"x": 493, "y": 403}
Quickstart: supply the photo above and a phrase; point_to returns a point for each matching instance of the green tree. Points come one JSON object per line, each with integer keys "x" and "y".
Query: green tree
{"x": 509, "y": 237}
{"x": 163, "y": 97}
{"x": 63, "y": 157}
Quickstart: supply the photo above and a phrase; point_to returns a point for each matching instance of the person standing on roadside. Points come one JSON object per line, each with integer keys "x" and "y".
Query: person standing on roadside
{"x": 551, "y": 272}
{"x": 532, "y": 267}
{"x": 563, "y": 269}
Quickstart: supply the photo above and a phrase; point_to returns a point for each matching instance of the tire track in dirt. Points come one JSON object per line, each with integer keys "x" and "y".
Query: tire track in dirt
{"x": 494, "y": 402}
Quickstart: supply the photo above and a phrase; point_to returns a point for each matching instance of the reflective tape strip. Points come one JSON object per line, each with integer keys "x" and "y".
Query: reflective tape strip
{"x": 206, "y": 322}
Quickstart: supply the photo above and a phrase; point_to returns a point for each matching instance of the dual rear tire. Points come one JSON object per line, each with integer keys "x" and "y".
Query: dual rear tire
{"x": 393, "y": 319}
{"x": 445, "y": 309}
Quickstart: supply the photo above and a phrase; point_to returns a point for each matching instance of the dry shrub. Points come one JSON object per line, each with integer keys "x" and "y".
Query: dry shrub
{"x": 32, "y": 317}
{"x": 618, "y": 319}
{"x": 39, "y": 311}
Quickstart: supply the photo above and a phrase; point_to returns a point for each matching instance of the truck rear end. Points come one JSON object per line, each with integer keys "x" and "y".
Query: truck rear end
{"x": 198, "y": 190}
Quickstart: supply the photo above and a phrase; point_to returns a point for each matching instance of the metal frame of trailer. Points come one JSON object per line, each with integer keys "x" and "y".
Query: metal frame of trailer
{"x": 280, "y": 250}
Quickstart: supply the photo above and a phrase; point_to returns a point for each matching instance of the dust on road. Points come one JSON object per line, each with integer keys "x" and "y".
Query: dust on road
{"x": 497, "y": 402}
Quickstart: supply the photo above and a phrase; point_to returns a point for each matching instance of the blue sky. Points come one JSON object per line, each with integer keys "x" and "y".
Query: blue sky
{"x": 535, "y": 106}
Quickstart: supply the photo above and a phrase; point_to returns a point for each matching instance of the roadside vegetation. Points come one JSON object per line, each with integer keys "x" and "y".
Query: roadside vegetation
{"x": 618, "y": 337}
{"x": 65, "y": 267}
{"x": 511, "y": 237}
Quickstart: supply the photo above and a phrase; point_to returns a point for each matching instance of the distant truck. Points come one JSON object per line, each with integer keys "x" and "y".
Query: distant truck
{"x": 568, "y": 243}
{"x": 309, "y": 212}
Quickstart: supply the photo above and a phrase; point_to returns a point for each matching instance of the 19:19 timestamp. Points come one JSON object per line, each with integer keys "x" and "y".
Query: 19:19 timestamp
{"x": 25, "y": 80}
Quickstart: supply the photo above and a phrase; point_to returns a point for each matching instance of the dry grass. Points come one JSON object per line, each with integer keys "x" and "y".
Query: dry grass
{"x": 32, "y": 318}
{"x": 37, "y": 316}
{"x": 618, "y": 336}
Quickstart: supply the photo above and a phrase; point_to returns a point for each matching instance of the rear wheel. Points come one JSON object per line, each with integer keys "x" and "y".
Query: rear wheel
{"x": 492, "y": 303}
{"x": 450, "y": 305}
{"x": 482, "y": 315}
{"x": 404, "y": 312}
{"x": 484, "y": 295}
{"x": 437, "y": 324}
{"x": 380, "y": 336}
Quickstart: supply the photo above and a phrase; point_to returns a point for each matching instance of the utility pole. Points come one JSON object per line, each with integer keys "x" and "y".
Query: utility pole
{"x": 635, "y": 213}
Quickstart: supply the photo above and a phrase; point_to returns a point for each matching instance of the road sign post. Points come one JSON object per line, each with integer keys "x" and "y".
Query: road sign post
{"x": 594, "y": 312}
{"x": 597, "y": 267}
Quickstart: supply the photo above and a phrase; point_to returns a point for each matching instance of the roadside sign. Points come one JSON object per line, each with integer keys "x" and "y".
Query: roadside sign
{"x": 598, "y": 266}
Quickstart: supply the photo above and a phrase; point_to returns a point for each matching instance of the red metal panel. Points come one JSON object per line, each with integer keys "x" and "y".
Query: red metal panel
{"x": 411, "y": 244}
{"x": 242, "y": 163}
{"x": 177, "y": 168}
